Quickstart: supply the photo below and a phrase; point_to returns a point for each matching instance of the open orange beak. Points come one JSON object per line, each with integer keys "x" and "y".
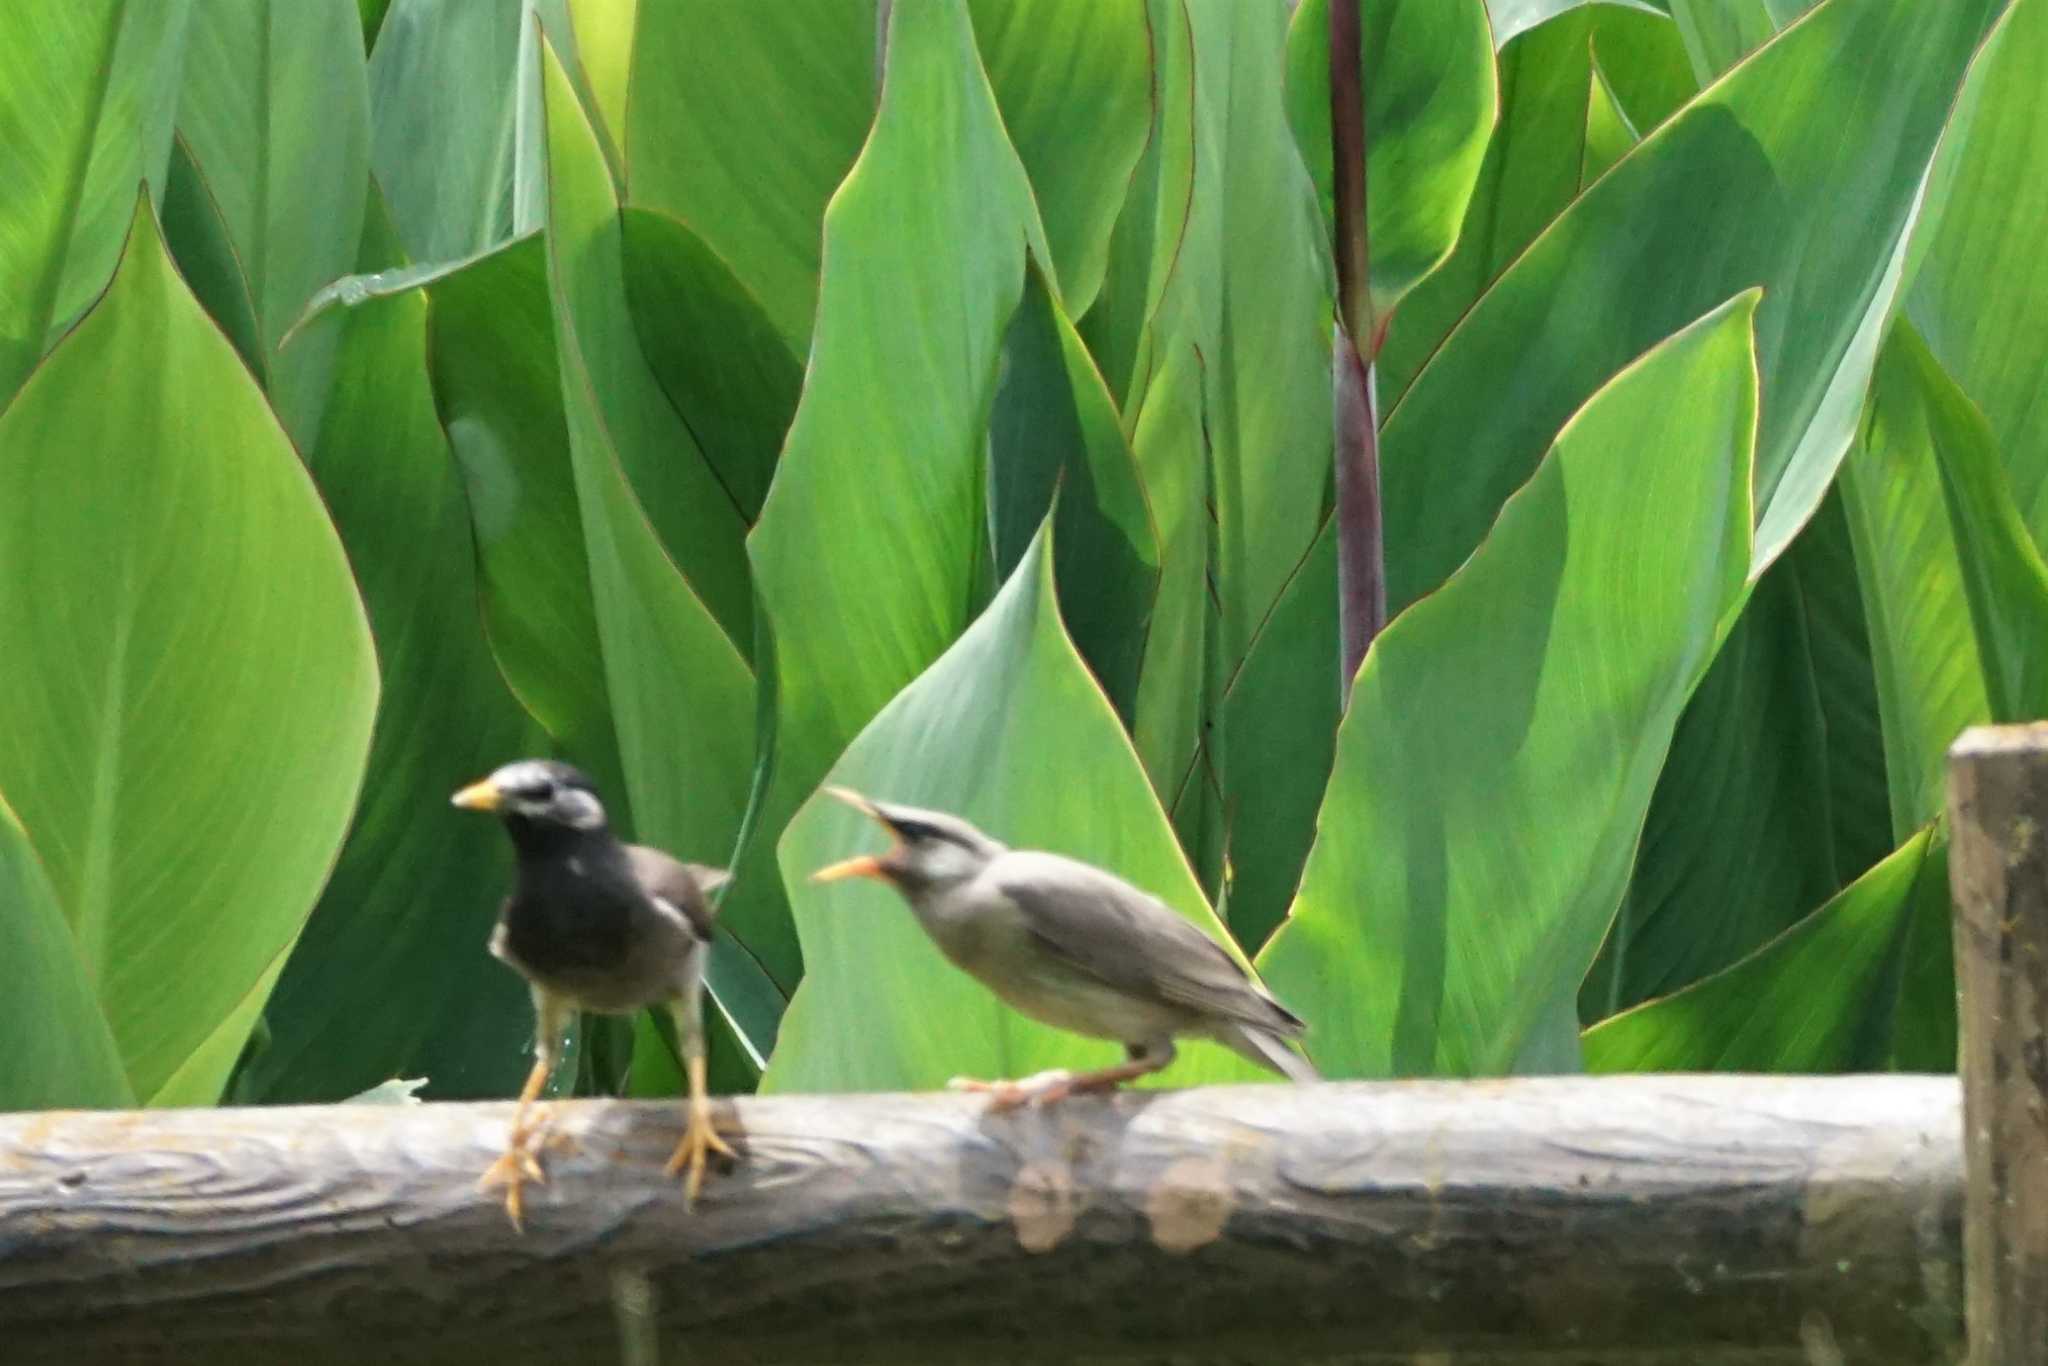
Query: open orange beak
{"x": 861, "y": 865}
{"x": 478, "y": 796}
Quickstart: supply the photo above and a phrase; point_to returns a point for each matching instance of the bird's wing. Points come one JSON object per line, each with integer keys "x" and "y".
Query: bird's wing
{"x": 1133, "y": 942}
{"x": 681, "y": 885}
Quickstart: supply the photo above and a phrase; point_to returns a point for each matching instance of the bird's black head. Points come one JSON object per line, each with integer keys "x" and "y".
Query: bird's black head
{"x": 544, "y": 803}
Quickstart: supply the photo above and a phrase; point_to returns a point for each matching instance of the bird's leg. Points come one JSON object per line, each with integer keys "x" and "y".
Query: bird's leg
{"x": 520, "y": 1163}
{"x": 1046, "y": 1088}
{"x": 700, "y": 1138}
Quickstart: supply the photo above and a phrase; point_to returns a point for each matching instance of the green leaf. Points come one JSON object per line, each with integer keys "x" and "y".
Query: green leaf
{"x": 1534, "y": 164}
{"x": 1982, "y": 286}
{"x": 1929, "y": 681}
{"x": 857, "y": 613}
{"x": 714, "y": 351}
{"x": 454, "y": 146}
{"x": 2004, "y": 578}
{"x": 276, "y": 111}
{"x": 414, "y": 894}
{"x": 87, "y": 93}
{"x": 603, "y": 43}
{"x": 187, "y": 751}
{"x": 60, "y": 1051}
{"x": 1229, "y": 401}
{"x": 1512, "y": 18}
{"x": 1822, "y": 997}
{"x": 994, "y": 731}
{"x": 682, "y": 697}
{"x": 1280, "y": 727}
{"x": 1430, "y": 102}
{"x": 1720, "y": 33}
{"x": 1074, "y": 81}
{"x": 1743, "y": 835}
{"x": 1609, "y": 133}
{"x": 498, "y": 390}
{"x": 1797, "y": 173}
{"x": 1052, "y": 432}
{"x": 699, "y": 524}
{"x": 1505, "y": 734}
{"x": 743, "y": 121}
{"x": 199, "y": 242}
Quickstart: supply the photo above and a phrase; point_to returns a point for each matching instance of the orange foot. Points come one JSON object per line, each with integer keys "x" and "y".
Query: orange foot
{"x": 1043, "y": 1088}
{"x": 700, "y": 1139}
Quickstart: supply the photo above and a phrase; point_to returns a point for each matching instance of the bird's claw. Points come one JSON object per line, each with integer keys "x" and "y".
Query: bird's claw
{"x": 519, "y": 1164}
{"x": 700, "y": 1139}
{"x": 1041, "y": 1088}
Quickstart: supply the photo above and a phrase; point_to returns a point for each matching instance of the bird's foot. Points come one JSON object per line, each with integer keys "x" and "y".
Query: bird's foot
{"x": 700, "y": 1139}
{"x": 519, "y": 1164}
{"x": 1041, "y": 1088}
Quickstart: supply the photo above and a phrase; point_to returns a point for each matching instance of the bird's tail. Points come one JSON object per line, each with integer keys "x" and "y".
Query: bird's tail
{"x": 1267, "y": 1049}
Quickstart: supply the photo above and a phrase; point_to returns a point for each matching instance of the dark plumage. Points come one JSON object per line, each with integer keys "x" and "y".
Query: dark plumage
{"x": 595, "y": 924}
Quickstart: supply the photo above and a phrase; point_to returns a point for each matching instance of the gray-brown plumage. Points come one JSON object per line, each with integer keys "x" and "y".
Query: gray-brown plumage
{"x": 1074, "y": 947}
{"x": 594, "y": 924}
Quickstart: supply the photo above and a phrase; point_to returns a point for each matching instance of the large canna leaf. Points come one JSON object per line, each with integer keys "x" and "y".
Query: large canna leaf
{"x": 1430, "y": 101}
{"x": 60, "y": 1051}
{"x": 1534, "y": 164}
{"x": 696, "y": 517}
{"x": 1229, "y": 399}
{"x": 870, "y": 554}
{"x": 1504, "y": 735}
{"x": 1797, "y": 173}
{"x": 681, "y": 695}
{"x": 276, "y": 111}
{"x": 88, "y": 90}
{"x": 1054, "y": 442}
{"x": 413, "y": 897}
{"x": 1720, "y": 33}
{"x": 716, "y": 353}
{"x": 1981, "y": 291}
{"x": 455, "y": 136}
{"x": 996, "y": 731}
{"x": 1829, "y": 995}
{"x": 186, "y": 752}
{"x": 1074, "y": 81}
{"x": 1773, "y": 795}
{"x": 742, "y": 122}
{"x": 1930, "y": 683}
{"x": 2004, "y": 577}
{"x": 1512, "y": 18}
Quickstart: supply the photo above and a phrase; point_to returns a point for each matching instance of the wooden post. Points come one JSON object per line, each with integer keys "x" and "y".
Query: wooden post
{"x": 1998, "y": 869}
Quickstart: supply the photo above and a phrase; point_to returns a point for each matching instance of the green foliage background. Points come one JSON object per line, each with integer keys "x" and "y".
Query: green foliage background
{"x": 736, "y": 398}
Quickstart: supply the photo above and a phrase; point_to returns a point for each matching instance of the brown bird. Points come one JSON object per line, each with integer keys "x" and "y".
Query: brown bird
{"x": 595, "y": 924}
{"x": 1074, "y": 947}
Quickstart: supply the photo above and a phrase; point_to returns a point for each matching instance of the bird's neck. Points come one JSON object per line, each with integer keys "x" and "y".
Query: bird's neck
{"x": 544, "y": 842}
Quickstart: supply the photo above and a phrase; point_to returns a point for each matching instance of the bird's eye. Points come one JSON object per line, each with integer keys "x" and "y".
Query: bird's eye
{"x": 916, "y": 832}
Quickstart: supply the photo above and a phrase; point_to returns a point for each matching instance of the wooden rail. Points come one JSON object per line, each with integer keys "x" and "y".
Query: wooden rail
{"x": 1620, "y": 1220}
{"x": 1644, "y": 1219}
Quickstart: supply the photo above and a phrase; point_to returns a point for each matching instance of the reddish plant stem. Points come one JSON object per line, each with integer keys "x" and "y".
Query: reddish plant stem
{"x": 1361, "y": 545}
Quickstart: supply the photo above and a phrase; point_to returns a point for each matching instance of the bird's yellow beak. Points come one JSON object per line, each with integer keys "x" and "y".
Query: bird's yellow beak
{"x": 478, "y": 796}
{"x": 861, "y": 865}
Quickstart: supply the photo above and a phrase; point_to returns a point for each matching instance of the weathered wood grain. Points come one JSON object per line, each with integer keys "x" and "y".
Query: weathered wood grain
{"x": 1667, "y": 1219}
{"x": 1998, "y": 869}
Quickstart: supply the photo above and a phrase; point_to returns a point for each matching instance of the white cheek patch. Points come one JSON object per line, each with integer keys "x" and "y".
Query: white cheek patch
{"x": 579, "y": 809}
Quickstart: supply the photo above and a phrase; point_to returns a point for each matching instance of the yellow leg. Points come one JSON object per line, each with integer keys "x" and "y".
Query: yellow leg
{"x": 700, "y": 1138}
{"x": 520, "y": 1162}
